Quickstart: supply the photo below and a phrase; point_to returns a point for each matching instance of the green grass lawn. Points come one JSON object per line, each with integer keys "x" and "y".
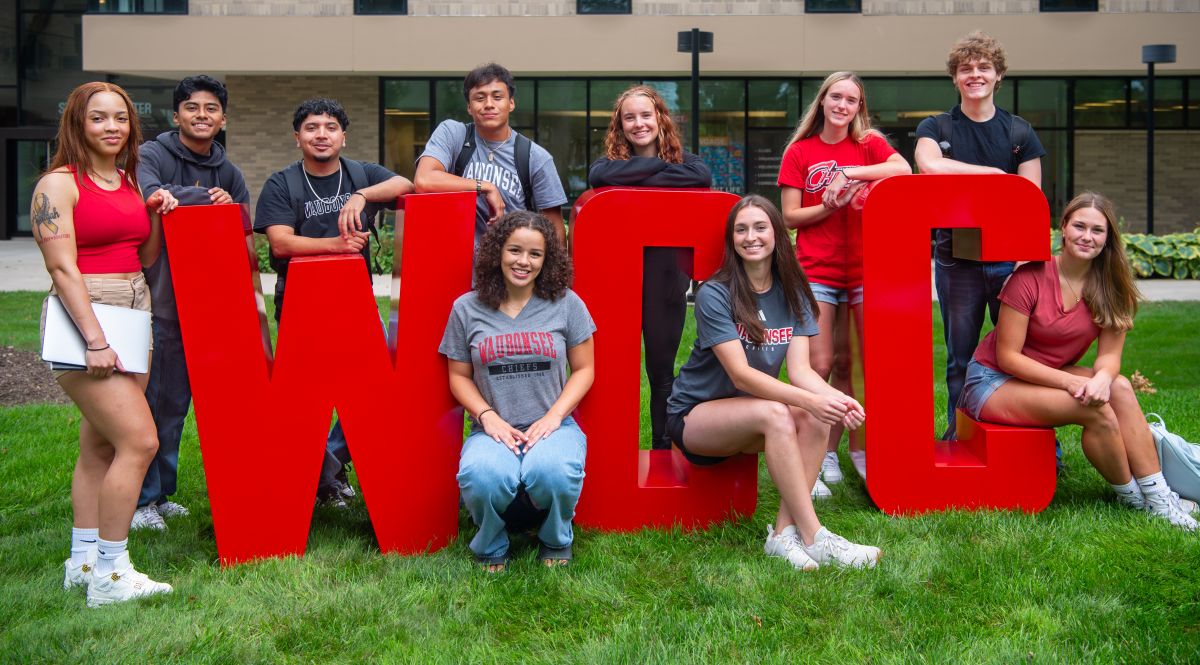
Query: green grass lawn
{"x": 1085, "y": 581}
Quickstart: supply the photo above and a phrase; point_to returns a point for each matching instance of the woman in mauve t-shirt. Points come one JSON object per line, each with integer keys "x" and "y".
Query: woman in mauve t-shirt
{"x": 1025, "y": 373}
{"x": 830, "y": 160}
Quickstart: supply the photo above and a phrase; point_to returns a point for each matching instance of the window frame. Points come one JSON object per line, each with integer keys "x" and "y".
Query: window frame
{"x": 854, "y": 8}
{"x": 580, "y": 9}
{"x": 1054, "y": 7}
{"x": 360, "y": 11}
{"x": 139, "y": 10}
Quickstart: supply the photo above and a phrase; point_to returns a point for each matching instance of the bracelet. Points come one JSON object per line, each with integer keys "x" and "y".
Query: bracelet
{"x": 478, "y": 186}
{"x": 479, "y": 418}
{"x": 103, "y": 348}
{"x": 360, "y": 194}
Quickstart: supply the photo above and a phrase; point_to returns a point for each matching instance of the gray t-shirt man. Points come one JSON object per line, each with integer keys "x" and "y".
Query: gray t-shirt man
{"x": 702, "y": 378}
{"x": 519, "y": 365}
{"x": 496, "y": 163}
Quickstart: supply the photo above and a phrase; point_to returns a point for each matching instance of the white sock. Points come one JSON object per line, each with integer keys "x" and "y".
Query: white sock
{"x": 107, "y": 553}
{"x": 83, "y": 545}
{"x": 787, "y": 531}
{"x": 1153, "y": 485}
{"x": 1129, "y": 489}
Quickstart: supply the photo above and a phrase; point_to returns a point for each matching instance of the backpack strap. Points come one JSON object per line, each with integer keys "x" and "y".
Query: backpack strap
{"x": 294, "y": 179}
{"x": 521, "y": 156}
{"x": 1019, "y": 131}
{"x": 358, "y": 180}
{"x": 945, "y": 127}
{"x": 466, "y": 152}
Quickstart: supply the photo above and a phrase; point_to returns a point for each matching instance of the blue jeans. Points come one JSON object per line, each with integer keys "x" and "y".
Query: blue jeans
{"x": 965, "y": 288}
{"x": 337, "y": 455}
{"x": 169, "y": 394}
{"x": 489, "y": 475}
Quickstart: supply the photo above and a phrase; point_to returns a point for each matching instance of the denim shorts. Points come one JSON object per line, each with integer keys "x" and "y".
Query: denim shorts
{"x": 131, "y": 293}
{"x": 835, "y": 296}
{"x": 979, "y": 385}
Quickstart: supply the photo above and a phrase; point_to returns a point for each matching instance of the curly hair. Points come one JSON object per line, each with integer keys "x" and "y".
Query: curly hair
{"x": 616, "y": 146}
{"x": 552, "y": 281}
{"x": 977, "y": 45}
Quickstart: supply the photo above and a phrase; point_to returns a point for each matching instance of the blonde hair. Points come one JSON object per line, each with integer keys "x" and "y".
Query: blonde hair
{"x": 814, "y": 118}
{"x": 1109, "y": 289}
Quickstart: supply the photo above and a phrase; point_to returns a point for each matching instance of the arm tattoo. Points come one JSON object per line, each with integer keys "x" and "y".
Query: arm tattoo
{"x": 44, "y": 215}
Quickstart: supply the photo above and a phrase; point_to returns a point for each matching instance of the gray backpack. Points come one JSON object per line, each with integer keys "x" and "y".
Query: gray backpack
{"x": 1179, "y": 459}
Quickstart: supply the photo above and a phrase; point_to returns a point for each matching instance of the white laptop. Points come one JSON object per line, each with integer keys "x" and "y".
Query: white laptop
{"x": 126, "y": 330}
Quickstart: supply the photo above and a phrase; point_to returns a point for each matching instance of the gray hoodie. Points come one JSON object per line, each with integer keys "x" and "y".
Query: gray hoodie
{"x": 165, "y": 163}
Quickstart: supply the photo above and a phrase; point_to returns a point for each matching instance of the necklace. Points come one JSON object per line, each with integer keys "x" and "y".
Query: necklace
{"x": 1070, "y": 286}
{"x": 492, "y": 149}
{"x": 327, "y": 201}
{"x": 111, "y": 181}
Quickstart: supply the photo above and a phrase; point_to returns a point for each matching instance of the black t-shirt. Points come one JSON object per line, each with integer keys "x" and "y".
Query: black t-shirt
{"x": 324, "y": 197}
{"x": 983, "y": 144}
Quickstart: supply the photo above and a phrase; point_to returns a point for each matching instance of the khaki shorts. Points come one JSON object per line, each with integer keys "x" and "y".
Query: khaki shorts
{"x": 131, "y": 293}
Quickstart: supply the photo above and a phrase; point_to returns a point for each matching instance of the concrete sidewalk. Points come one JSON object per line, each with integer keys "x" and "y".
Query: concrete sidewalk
{"x": 21, "y": 269}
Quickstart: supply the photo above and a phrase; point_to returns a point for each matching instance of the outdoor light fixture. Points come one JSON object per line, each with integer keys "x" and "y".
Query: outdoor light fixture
{"x": 1152, "y": 54}
{"x": 695, "y": 42}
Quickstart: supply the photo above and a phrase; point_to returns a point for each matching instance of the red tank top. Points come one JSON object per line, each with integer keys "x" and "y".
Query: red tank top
{"x": 109, "y": 227}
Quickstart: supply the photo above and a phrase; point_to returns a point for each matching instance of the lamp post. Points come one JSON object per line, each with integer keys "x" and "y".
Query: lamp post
{"x": 1151, "y": 54}
{"x": 695, "y": 42}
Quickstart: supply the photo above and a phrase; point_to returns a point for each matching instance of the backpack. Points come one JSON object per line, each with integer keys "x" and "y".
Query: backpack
{"x": 1019, "y": 130}
{"x": 297, "y": 193}
{"x": 520, "y": 156}
{"x": 1180, "y": 460}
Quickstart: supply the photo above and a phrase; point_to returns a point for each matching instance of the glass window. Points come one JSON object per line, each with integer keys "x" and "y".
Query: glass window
{"x": 8, "y": 107}
{"x": 450, "y": 102}
{"x": 1067, "y": 5}
{"x": 603, "y": 7}
{"x": 1193, "y": 106}
{"x": 774, "y": 103}
{"x": 152, "y": 99}
{"x": 723, "y": 133}
{"x": 603, "y": 94}
{"x": 1056, "y": 168}
{"x": 380, "y": 6}
{"x": 897, "y": 106}
{"x": 137, "y": 6}
{"x": 1043, "y": 102}
{"x": 1100, "y": 102}
{"x": 52, "y": 65}
{"x": 1168, "y": 102}
{"x": 32, "y": 159}
{"x": 833, "y": 6}
{"x": 8, "y": 47}
{"x": 562, "y": 130}
{"x": 406, "y": 125}
{"x": 64, "y": 6}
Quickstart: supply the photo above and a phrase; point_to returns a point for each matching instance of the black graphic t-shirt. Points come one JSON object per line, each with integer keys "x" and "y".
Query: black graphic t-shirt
{"x": 324, "y": 197}
{"x": 519, "y": 364}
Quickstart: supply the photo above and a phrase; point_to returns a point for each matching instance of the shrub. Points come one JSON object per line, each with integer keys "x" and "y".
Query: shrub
{"x": 1175, "y": 256}
{"x": 381, "y": 250}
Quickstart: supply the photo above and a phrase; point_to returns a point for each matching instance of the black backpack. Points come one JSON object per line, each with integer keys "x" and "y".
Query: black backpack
{"x": 1019, "y": 130}
{"x": 294, "y": 177}
{"x": 520, "y": 157}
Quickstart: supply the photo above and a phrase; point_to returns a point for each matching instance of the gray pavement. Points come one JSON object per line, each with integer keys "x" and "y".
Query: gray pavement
{"x": 21, "y": 269}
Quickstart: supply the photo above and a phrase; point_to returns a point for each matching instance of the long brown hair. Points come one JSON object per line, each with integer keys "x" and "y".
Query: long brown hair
{"x": 72, "y": 148}
{"x": 552, "y": 281}
{"x": 814, "y": 118}
{"x": 616, "y": 146}
{"x": 1109, "y": 289}
{"x": 785, "y": 269}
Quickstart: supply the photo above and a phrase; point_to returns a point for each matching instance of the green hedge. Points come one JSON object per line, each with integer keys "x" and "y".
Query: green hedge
{"x": 381, "y": 251}
{"x": 1174, "y": 256}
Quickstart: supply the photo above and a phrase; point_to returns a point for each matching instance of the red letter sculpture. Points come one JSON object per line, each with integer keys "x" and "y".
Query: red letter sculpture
{"x": 262, "y": 421}
{"x": 990, "y": 466}
{"x": 627, "y": 489}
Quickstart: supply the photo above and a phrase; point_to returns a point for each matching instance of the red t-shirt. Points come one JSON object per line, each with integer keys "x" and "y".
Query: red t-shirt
{"x": 1056, "y": 337}
{"x": 830, "y": 250}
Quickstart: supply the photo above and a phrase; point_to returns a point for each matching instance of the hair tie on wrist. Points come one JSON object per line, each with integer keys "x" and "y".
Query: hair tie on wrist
{"x": 106, "y": 346}
{"x": 479, "y": 418}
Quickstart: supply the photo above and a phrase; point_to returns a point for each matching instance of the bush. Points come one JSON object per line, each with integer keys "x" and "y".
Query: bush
{"x": 381, "y": 251}
{"x": 1175, "y": 256}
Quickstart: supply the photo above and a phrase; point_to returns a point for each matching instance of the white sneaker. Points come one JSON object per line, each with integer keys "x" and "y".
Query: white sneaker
{"x": 74, "y": 576}
{"x": 1138, "y": 501}
{"x": 830, "y": 548}
{"x": 122, "y": 584}
{"x": 831, "y": 473}
{"x": 787, "y": 545}
{"x": 169, "y": 509}
{"x": 820, "y": 490}
{"x": 859, "y": 459}
{"x": 147, "y": 517}
{"x": 1167, "y": 506}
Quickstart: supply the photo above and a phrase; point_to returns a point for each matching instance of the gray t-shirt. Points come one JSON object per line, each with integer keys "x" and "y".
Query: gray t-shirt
{"x": 500, "y": 170}
{"x": 702, "y": 378}
{"x": 519, "y": 365}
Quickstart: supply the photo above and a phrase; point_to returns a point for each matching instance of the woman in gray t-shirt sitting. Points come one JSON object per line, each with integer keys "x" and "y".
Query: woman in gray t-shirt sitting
{"x": 754, "y": 314}
{"x": 508, "y": 344}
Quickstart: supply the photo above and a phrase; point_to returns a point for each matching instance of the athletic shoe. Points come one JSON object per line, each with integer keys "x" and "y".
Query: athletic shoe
{"x": 332, "y": 499}
{"x": 147, "y": 517}
{"x": 1138, "y": 501}
{"x": 1166, "y": 505}
{"x": 169, "y": 509}
{"x": 346, "y": 490}
{"x": 74, "y": 576}
{"x": 820, "y": 490}
{"x": 831, "y": 473}
{"x": 859, "y": 459}
{"x": 830, "y": 548}
{"x": 123, "y": 583}
{"x": 787, "y": 545}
